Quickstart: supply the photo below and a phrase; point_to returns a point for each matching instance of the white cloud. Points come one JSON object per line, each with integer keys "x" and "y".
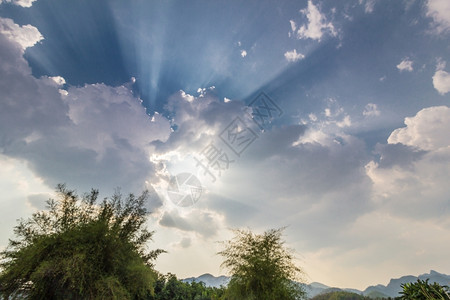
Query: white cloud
{"x": 439, "y": 10}
{"x": 441, "y": 82}
{"x": 293, "y": 25}
{"x": 17, "y": 183}
{"x": 58, "y": 80}
{"x": 441, "y": 79}
{"x": 441, "y": 64}
{"x": 317, "y": 24}
{"x": 293, "y": 56}
{"x": 183, "y": 244}
{"x": 427, "y": 130}
{"x": 345, "y": 122}
{"x": 405, "y": 65}
{"x": 371, "y": 110}
{"x": 95, "y": 136}
{"x": 418, "y": 189}
{"x": 26, "y": 35}
{"x": 410, "y": 195}
{"x": 243, "y": 53}
{"x": 23, "y": 3}
{"x": 368, "y": 5}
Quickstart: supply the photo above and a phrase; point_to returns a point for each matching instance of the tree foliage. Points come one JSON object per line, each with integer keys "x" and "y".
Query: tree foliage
{"x": 262, "y": 267}
{"x": 423, "y": 290}
{"x": 340, "y": 295}
{"x": 81, "y": 249}
{"x": 168, "y": 287}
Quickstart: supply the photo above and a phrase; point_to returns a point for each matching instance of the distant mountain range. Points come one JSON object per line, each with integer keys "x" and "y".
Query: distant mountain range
{"x": 391, "y": 290}
{"x": 209, "y": 280}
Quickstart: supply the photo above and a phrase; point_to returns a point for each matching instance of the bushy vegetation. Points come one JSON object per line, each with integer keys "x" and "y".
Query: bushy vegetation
{"x": 423, "y": 290}
{"x": 339, "y": 295}
{"x": 262, "y": 267}
{"x": 168, "y": 287}
{"x": 81, "y": 249}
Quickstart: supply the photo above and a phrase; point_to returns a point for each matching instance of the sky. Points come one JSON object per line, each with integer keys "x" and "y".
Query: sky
{"x": 329, "y": 118}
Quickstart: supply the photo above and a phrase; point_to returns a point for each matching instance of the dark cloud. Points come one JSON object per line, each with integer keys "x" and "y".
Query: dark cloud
{"x": 202, "y": 222}
{"x": 397, "y": 155}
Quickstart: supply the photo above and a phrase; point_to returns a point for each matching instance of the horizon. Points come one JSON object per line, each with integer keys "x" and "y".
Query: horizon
{"x": 329, "y": 119}
{"x": 331, "y": 286}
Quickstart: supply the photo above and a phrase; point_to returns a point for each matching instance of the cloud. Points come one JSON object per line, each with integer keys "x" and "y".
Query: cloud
{"x": 316, "y": 178}
{"x": 94, "y": 136}
{"x": 345, "y": 122}
{"x": 198, "y": 120}
{"x": 441, "y": 82}
{"x": 293, "y": 25}
{"x": 243, "y": 53}
{"x": 397, "y": 155}
{"x": 412, "y": 182}
{"x": 20, "y": 188}
{"x": 419, "y": 192}
{"x": 60, "y": 81}
{"x": 317, "y": 24}
{"x": 39, "y": 201}
{"x": 201, "y": 221}
{"x": 427, "y": 130}
{"x": 26, "y": 35}
{"x": 23, "y": 3}
{"x": 441, "y": 79}
{"x": 368, "y": 5}
{"x": 439, "y": 10}
{"x": 293, "y": 56}
{"x": 371, "y": 110}
{"x": 183, "y": 244}
{"x": 405, "y": 65}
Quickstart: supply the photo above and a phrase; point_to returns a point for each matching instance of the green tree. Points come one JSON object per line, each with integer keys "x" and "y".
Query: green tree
{"x": 262, "y": 267}
{"x": 422, "y": 290}
{"x": 81, "y": 249}
{"x": 340, "y": 295}
{"x": 168, "y": 287}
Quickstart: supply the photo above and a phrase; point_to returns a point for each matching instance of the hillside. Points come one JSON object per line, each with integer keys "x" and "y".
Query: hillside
{"x": 315, "y": 289}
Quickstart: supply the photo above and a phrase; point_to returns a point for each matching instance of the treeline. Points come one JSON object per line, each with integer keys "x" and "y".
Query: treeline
{"x": 168, "y": 287}
{"x": 82, "y": 248}
{"x": 343, "y": 295}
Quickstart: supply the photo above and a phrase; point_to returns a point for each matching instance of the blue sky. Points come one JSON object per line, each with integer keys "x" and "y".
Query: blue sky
{"x": 108, "y": 93}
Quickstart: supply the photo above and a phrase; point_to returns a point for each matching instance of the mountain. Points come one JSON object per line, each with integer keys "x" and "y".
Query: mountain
{"x": 315, "y": 288}
{"x": 209, "y": 280}
{"x": 393, "y": 288}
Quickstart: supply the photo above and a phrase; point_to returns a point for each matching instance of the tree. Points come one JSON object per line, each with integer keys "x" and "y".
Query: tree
{"x": 168, "y": 287}
{"x": 81, "y": 249}
{"x": 341, "y": 295}
{"x": 261, "y": 266}
{"x": 422, "y": 290}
